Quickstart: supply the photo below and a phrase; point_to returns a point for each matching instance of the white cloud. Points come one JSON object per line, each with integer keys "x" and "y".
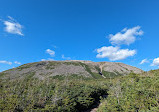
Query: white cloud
{"x": 16, "y": 62}
{"x": 51, "y": 52}
{"x": 49, "y": 59}
{"x": 144, "y": 61}
{"x": 114, "y": 53}
{"x": 155, "y": 62}
{"x": 67, "y": 58}
{"x": 43, "y": 59}
{"x": 6, "y": 62}
{"x": 11, "y": 26}
{"x": 126, "y": 36}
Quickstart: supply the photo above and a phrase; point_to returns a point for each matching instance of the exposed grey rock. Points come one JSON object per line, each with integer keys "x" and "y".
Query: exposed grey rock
{"x": 45, "y": 69}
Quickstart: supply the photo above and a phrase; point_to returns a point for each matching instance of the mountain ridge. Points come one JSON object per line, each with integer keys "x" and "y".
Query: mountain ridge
{"x": 84, "y": 68}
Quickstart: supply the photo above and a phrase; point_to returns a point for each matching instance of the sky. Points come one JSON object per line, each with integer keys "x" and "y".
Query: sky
{"x": 97, "y": 30}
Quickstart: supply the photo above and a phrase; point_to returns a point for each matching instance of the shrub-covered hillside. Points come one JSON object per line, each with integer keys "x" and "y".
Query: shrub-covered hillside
{"x": 56, "y": 94}
{"x": 77, "y": 93}
{"x": 133, "y": 93}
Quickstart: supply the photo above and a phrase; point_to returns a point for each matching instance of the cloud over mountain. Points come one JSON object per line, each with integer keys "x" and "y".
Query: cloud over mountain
{"x": 114, "y": 53}
{"x": 17, "y": 62}
{"x": 50, "y": 52}
{"x": 155, "y": 62}
{"x": 13, "y": 27}
{"x": 63, "y": 57}
{"x": 126, "y": 36}
{"x": 5, "y": 62}
{"x": 144, "y": 61}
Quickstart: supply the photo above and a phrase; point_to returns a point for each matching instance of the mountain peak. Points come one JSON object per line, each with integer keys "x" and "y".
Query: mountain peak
{"x": 45, "y": 69}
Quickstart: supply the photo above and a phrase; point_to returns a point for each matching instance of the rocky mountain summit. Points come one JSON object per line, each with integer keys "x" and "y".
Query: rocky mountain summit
{"x": 46, "y": 69}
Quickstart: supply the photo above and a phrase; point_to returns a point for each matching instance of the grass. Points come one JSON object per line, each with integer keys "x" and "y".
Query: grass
{"x": 109, "y": 74}
{"x": 25, "y": 66}
{"x": 52, "y": 64}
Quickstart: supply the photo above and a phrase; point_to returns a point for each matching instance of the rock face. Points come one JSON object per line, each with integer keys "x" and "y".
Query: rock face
{"x": 45, "y": 69}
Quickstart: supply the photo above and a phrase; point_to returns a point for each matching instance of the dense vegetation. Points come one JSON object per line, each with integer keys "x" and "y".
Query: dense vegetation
{"x": 131, "y": 93}
{"x": 53, "y": 94}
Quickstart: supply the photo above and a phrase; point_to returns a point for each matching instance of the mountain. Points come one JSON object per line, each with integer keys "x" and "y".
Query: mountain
{"x": 46, "y": 69}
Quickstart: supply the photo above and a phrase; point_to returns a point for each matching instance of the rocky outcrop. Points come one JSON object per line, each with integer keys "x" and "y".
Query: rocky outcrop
{"x": 45, "y": 69}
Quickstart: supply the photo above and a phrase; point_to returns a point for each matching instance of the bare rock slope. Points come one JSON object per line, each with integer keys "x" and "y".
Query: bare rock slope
{"x": 45, "y": 69}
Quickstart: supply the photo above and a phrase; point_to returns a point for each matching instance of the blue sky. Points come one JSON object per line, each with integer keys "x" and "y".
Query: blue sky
{"x": 97, "y": 30}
